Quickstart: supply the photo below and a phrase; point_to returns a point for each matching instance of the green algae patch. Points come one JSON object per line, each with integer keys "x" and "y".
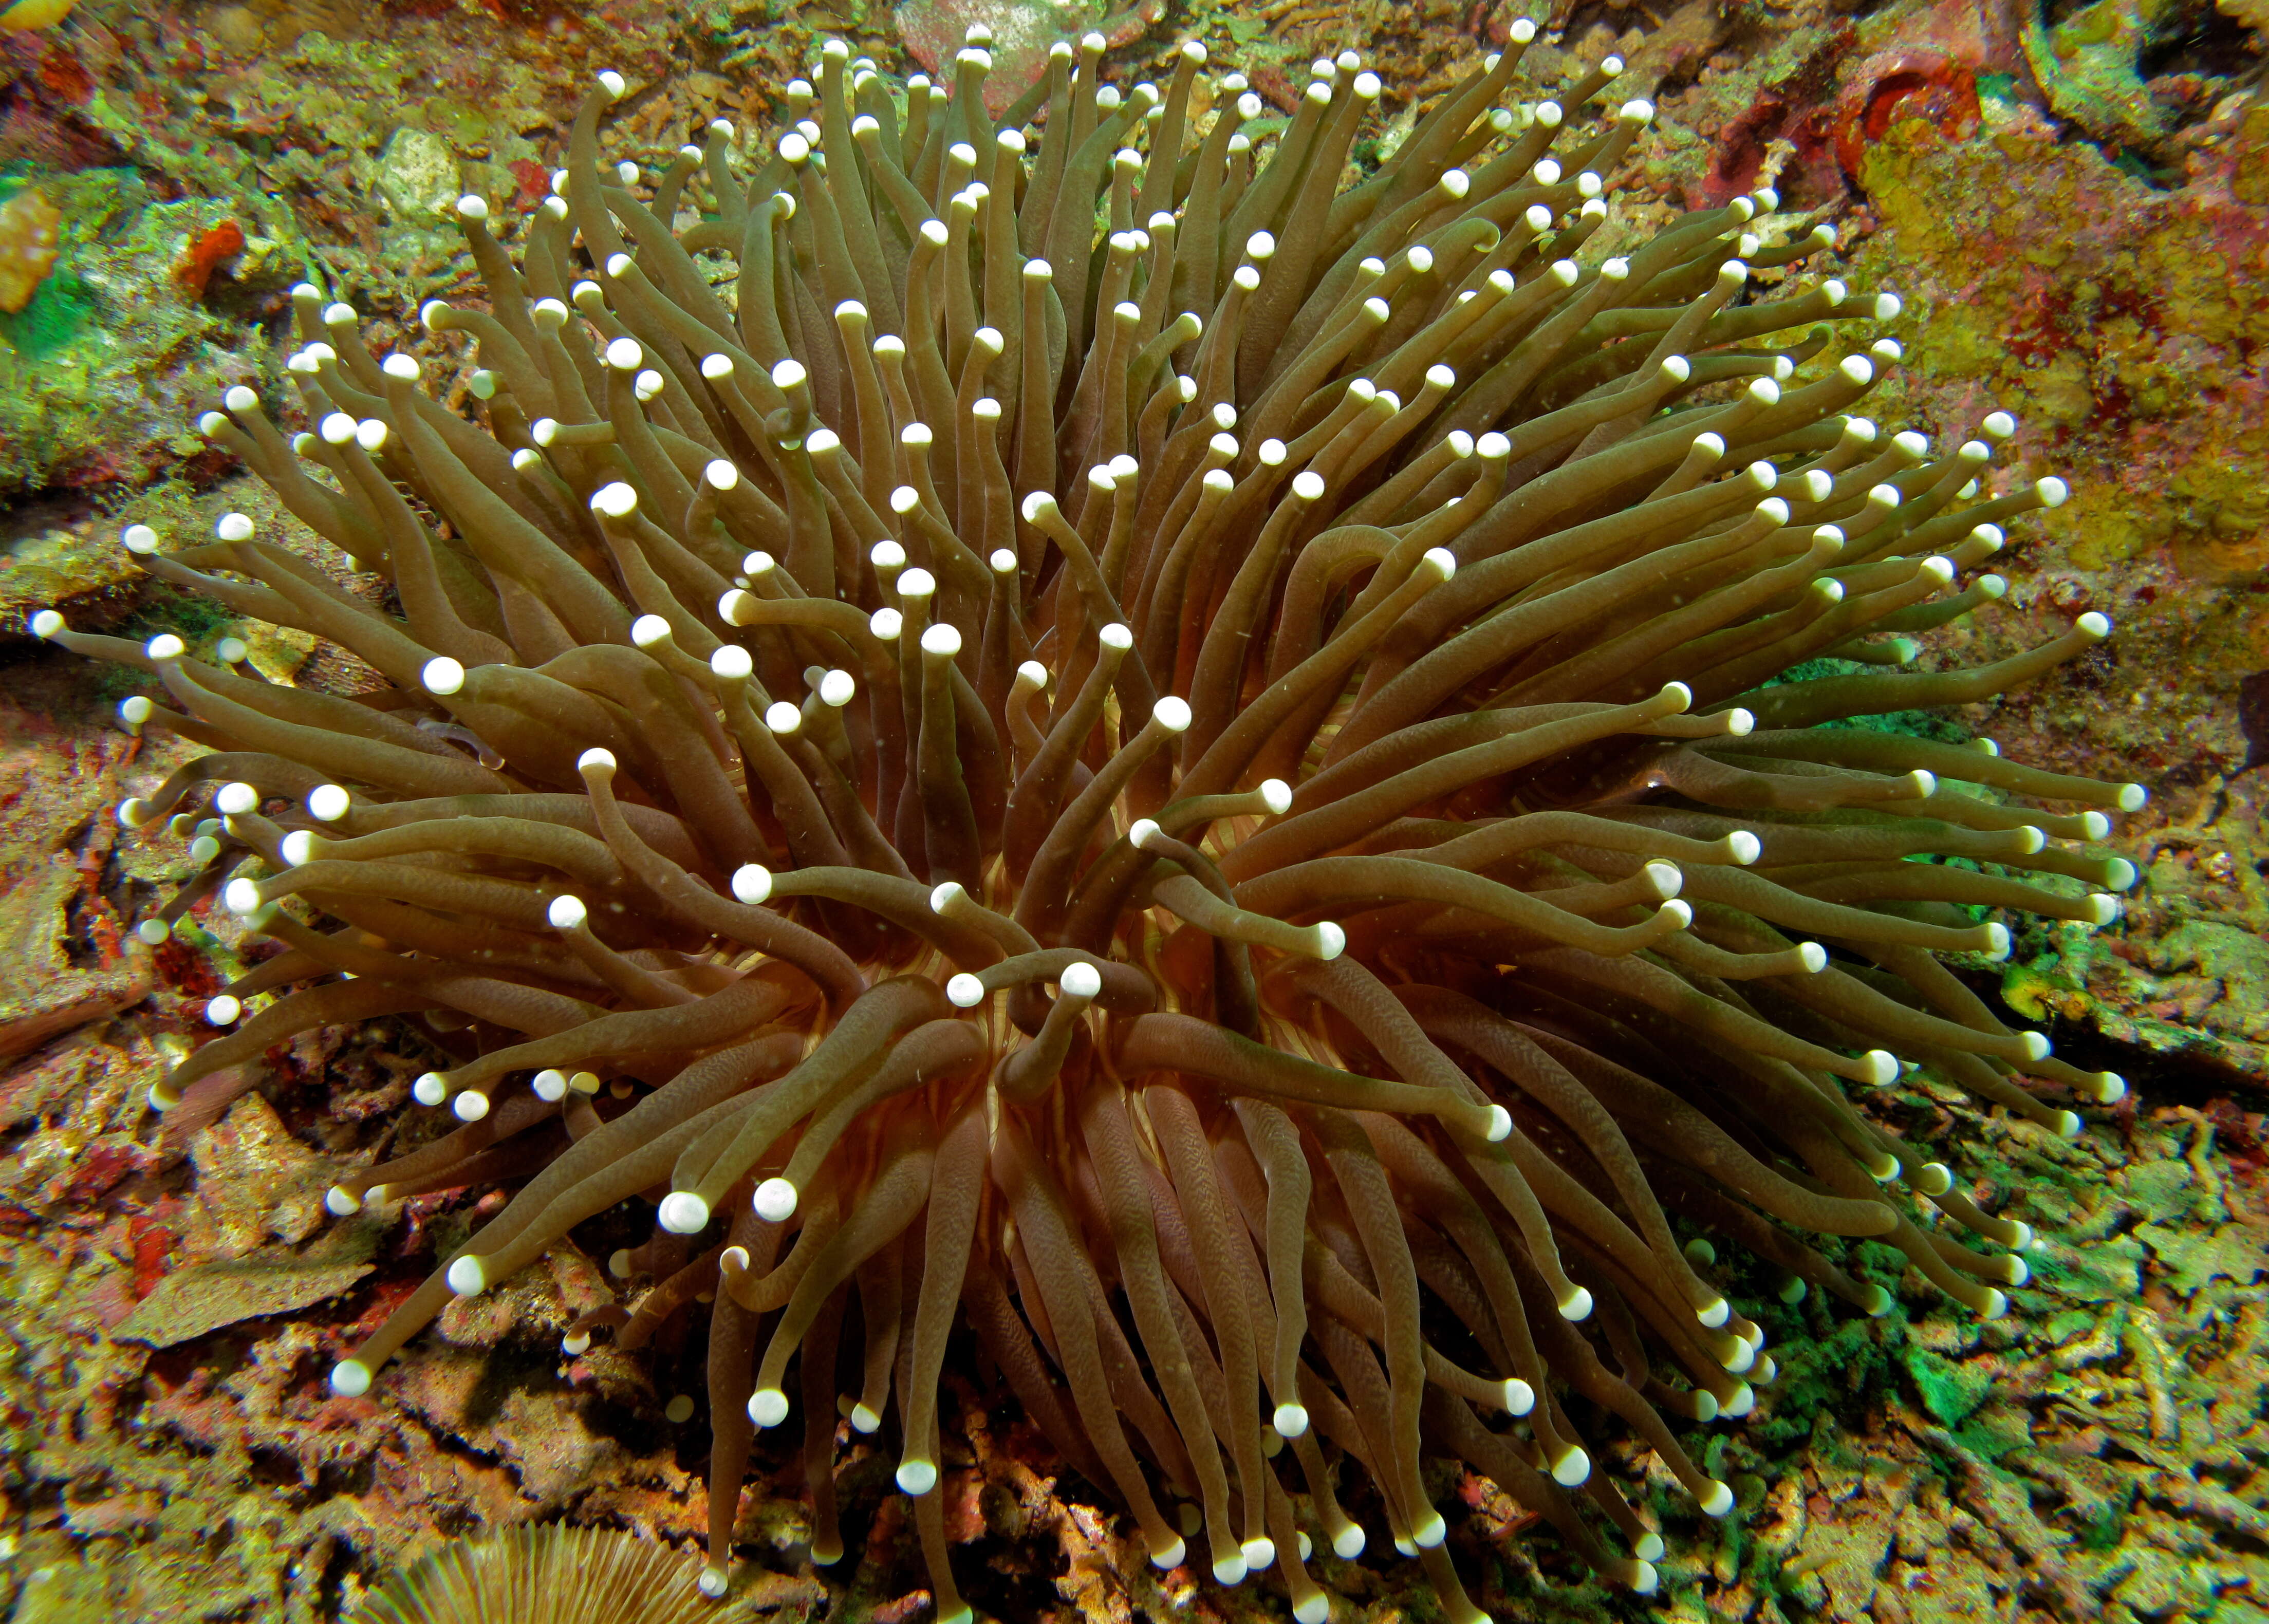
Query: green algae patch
{"x": 1949, "y": 1390}
{"x": 2106, "y": 1271}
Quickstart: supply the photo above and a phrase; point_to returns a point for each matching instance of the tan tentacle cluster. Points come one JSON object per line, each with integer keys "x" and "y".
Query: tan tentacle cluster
{"x": 1123, "y": 743}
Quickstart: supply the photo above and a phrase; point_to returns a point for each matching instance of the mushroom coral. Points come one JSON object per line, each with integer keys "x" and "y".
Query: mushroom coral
{"x": 1161, "y": 745}
{"x": 540, "y": 1575}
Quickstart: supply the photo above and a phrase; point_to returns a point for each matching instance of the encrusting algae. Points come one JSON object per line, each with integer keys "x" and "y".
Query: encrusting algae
{"x": 1180, "y": 763}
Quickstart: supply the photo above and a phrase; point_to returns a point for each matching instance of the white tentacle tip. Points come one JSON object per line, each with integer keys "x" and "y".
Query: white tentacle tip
{"x": 223, "y": 1010}
{"x": 341, "y": 1202}
{"x": 1879, "y": 1068}
{"x": 1276, "y": 795}
{"x": 752, "y": 883}
{"x": 1575, "y": 1305}
{"x": 241, "y": 897}
{"x": 768, "y": 1406}
{"x": 1289, "y": 1420}
{"x": 431, "y": 1089}
{"x": 467, "y": 1278}
{"x": 1572, "y": 1468}
{"x": 775, "y": 1200}
{"x": 1228, "y": 1569}
{"x": 964, "y": 991}
{"x": 711, "y": 1583}
{"x": 442, "y": 676}
{"x": 566, "y": 912}
{"x": 470, "y": 1105}
{"x": 1081, "y": 980}
{"x": 1170, "y": 1556}
{"x": 595, "y": 761}
{"x": 1518, "y": 1396}
{"x": 1331, "y": 940}
{"x": 350, "y": 1378}
{"x": 916, "y": 1476}
{"x": 684, "y": 1213}
{"x": 1718, "y": 1501}
{"x": 1500, "y": 1124}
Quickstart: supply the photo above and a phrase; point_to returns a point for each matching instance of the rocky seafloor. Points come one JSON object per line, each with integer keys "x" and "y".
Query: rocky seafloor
{"x": 2074, "y": 200}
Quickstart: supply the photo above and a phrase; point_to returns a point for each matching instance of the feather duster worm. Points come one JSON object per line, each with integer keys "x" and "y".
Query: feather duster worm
{"x": 1117, "y": 739}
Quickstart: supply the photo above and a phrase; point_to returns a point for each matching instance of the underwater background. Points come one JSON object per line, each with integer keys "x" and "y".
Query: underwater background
{"x": 2071, "y": 202}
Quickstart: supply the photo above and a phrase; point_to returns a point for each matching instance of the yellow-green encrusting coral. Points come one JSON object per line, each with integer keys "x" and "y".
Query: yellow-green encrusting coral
{"x": 1080, "y": 726}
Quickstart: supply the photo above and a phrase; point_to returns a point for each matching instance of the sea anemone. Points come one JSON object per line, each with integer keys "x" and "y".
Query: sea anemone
{"x": 541, "y": 1575}
{"x": 1167, "y": 747}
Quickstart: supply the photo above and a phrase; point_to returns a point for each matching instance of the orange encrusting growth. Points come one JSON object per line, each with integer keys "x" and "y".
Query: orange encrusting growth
{"x": 29, "y": 242}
